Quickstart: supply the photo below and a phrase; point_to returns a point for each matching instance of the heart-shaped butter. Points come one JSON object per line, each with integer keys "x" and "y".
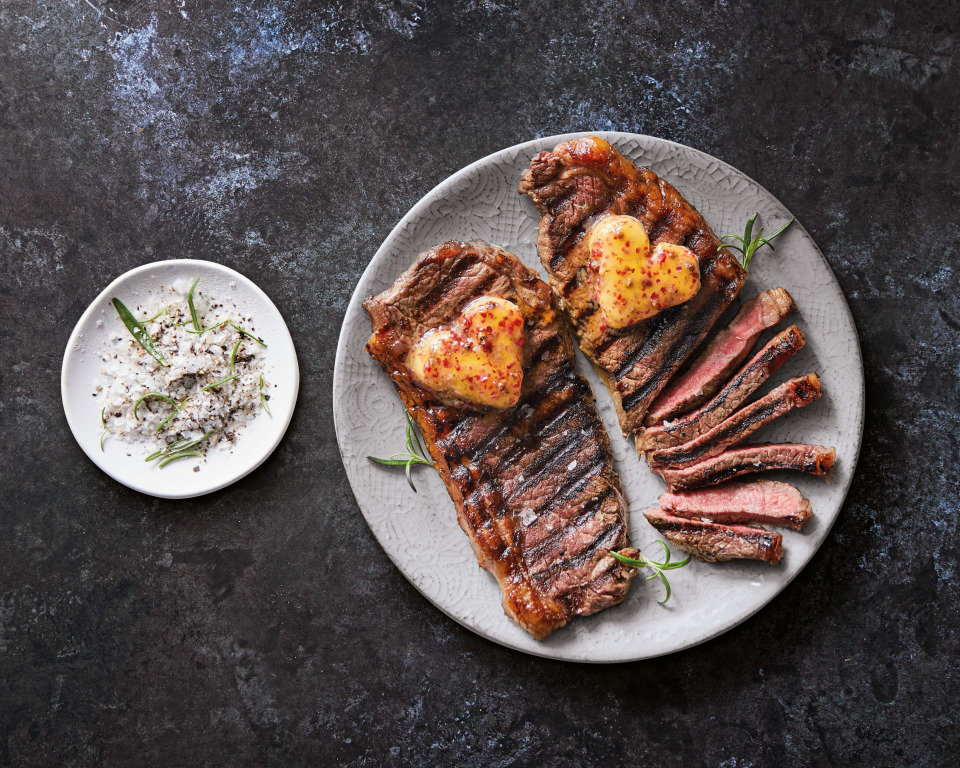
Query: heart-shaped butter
{"x": 633, "y": 281}
{"x": 479, "y": 359}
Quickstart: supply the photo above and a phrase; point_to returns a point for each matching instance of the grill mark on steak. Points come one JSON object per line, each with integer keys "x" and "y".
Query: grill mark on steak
{"x": 537, "y": 498}
{"x": 448, "y": 292}
{"x": 760, "y": 367}
{"x": 685, "y": 344}
{"x": 659, "y": 325}
{"x": 543, "y": 463}
{"x": 604, "y": 540}
{"x": 575, "y": 185}
{"x": 715, "y": 543}
{"x": 721, "y": 357}
{"x": 812, "y": 459}
{"x": 544, "y": 348}
{"x": 523, "y": 446}
{"x": 584, "y": 312}
{"x": 795, "y": 393}
{"x": 570, "y": 539}
{"x": 767, "y": 502}
{"x": 589, "y": 496}
{"x": 481, "y": 453}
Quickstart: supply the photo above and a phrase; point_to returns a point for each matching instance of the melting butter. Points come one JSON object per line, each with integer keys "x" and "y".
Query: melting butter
{"x": 479, "y": 359}
{"x": 633, "y": 281}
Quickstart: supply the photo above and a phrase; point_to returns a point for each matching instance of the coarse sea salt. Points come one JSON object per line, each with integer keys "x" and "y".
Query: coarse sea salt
{"x": 194, "y": 361}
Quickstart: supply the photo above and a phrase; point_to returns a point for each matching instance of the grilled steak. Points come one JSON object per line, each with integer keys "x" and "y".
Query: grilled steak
{"x": 766, "y": 502}
{"x": 725, "y": 352}
{"x": 714, "y": 543}
{"x": 574, "y": 186}
{"x": 689, "y": 426}
{"x": 794, "y": 393}
{"x": 813, "y": 459}
{"x": 533, "y": 485}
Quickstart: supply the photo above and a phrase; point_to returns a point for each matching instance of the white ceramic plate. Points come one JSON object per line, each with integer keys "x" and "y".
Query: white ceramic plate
{"x": 419, "y": 532}
{"x": 81, "y": 374}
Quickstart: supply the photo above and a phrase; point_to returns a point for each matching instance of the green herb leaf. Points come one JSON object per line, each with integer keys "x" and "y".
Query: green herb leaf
{"x": 161, "y": 312}
{"x": 391, "y": 462}
{"x": 658, "y": 568}
{"x": 414, "y": 456}
{"x": 257, "y": 339}
{"x": 218, "y": 383}
{"x": 233, "y": 355}
{"x": 175, "y": 456}
{"x": 103, "y": 435}
{"x": 263, "y": 398}
{"x": 193, "y": 310}
{"x": 175, "y": 412}
{"x": 750, "y": 243}
{"x": 180, "y": 445}
{"x": 152, "y": 394}
{"x": 138, "y": 331}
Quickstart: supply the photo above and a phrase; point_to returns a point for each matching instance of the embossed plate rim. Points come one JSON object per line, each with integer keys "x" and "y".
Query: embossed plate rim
{"x": 498, "y": 628}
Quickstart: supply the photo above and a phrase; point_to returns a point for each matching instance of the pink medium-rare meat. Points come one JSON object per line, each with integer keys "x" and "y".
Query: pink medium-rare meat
{"x": 765, "y": 502}
{"x": 715, "y": 543}
{"x": 812, "y": 459}
{"x": 574, "y": 186}
{"x": 795, "y": 393}
{"x": 691, "y": 425}
{"x": 725, "y": 352}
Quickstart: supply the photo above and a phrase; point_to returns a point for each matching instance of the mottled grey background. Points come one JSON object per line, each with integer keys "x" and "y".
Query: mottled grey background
{"x": 263, "y": 624}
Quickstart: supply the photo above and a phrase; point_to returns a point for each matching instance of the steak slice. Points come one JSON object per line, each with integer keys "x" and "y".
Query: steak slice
{"x": 760, "y": 367}
{"x": 573, "y": 186}
{"x": 533, "y": 485}
{"x": 766, "y": 502}
{"x": 714, "y": 543}
{"x": 813, "y": 459}
{"x": 794, "y": 393}
{"x": 725, "y": 352}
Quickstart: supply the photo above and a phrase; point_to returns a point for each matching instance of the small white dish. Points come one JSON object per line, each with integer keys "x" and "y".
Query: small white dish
{"x": 124, "y": 462}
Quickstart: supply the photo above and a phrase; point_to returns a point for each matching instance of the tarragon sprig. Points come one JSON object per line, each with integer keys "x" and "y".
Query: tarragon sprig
{"x": 197, "y": 326}
{"x": 413, "y": 457}
{"x": 181, "y": 449}
{"x": 263, "y": 398}
{"x": 750, "y": 243}
{"x": 658, "y": 568}
{"x": 138, "y": 331}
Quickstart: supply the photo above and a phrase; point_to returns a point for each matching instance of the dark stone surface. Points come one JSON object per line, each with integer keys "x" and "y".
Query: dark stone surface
{"x": 263, "y": 624}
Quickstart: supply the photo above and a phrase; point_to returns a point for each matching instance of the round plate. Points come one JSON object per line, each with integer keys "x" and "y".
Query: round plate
{"x": 123, "y": 461}
{"x": 419, "y": 532}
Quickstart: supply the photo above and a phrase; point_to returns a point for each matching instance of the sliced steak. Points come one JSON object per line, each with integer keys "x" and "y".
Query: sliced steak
{"x": 813, "y": 459}
{"x": 715, "y": 543}
{"x": 760, "y": 367}
{"x": 794, "y": 393}
{"x": 575, "y": 185}
{"x": 533, "y": 485}
{"x": 766, "y": 502}
{"x": 725, "y": 352}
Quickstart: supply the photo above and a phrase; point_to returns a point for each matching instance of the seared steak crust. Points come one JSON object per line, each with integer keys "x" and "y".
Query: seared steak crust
{"x": 533, "y": 485}
{"x": 760, "y": 367}
{"x": 721, "y": 357}
{"x": 714, "y": 543}
{"x": 766, "y": 502}
{"x": 795, "y": 393}
{"x": 812, "y": 459}
{"x": 575, "y": 185}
